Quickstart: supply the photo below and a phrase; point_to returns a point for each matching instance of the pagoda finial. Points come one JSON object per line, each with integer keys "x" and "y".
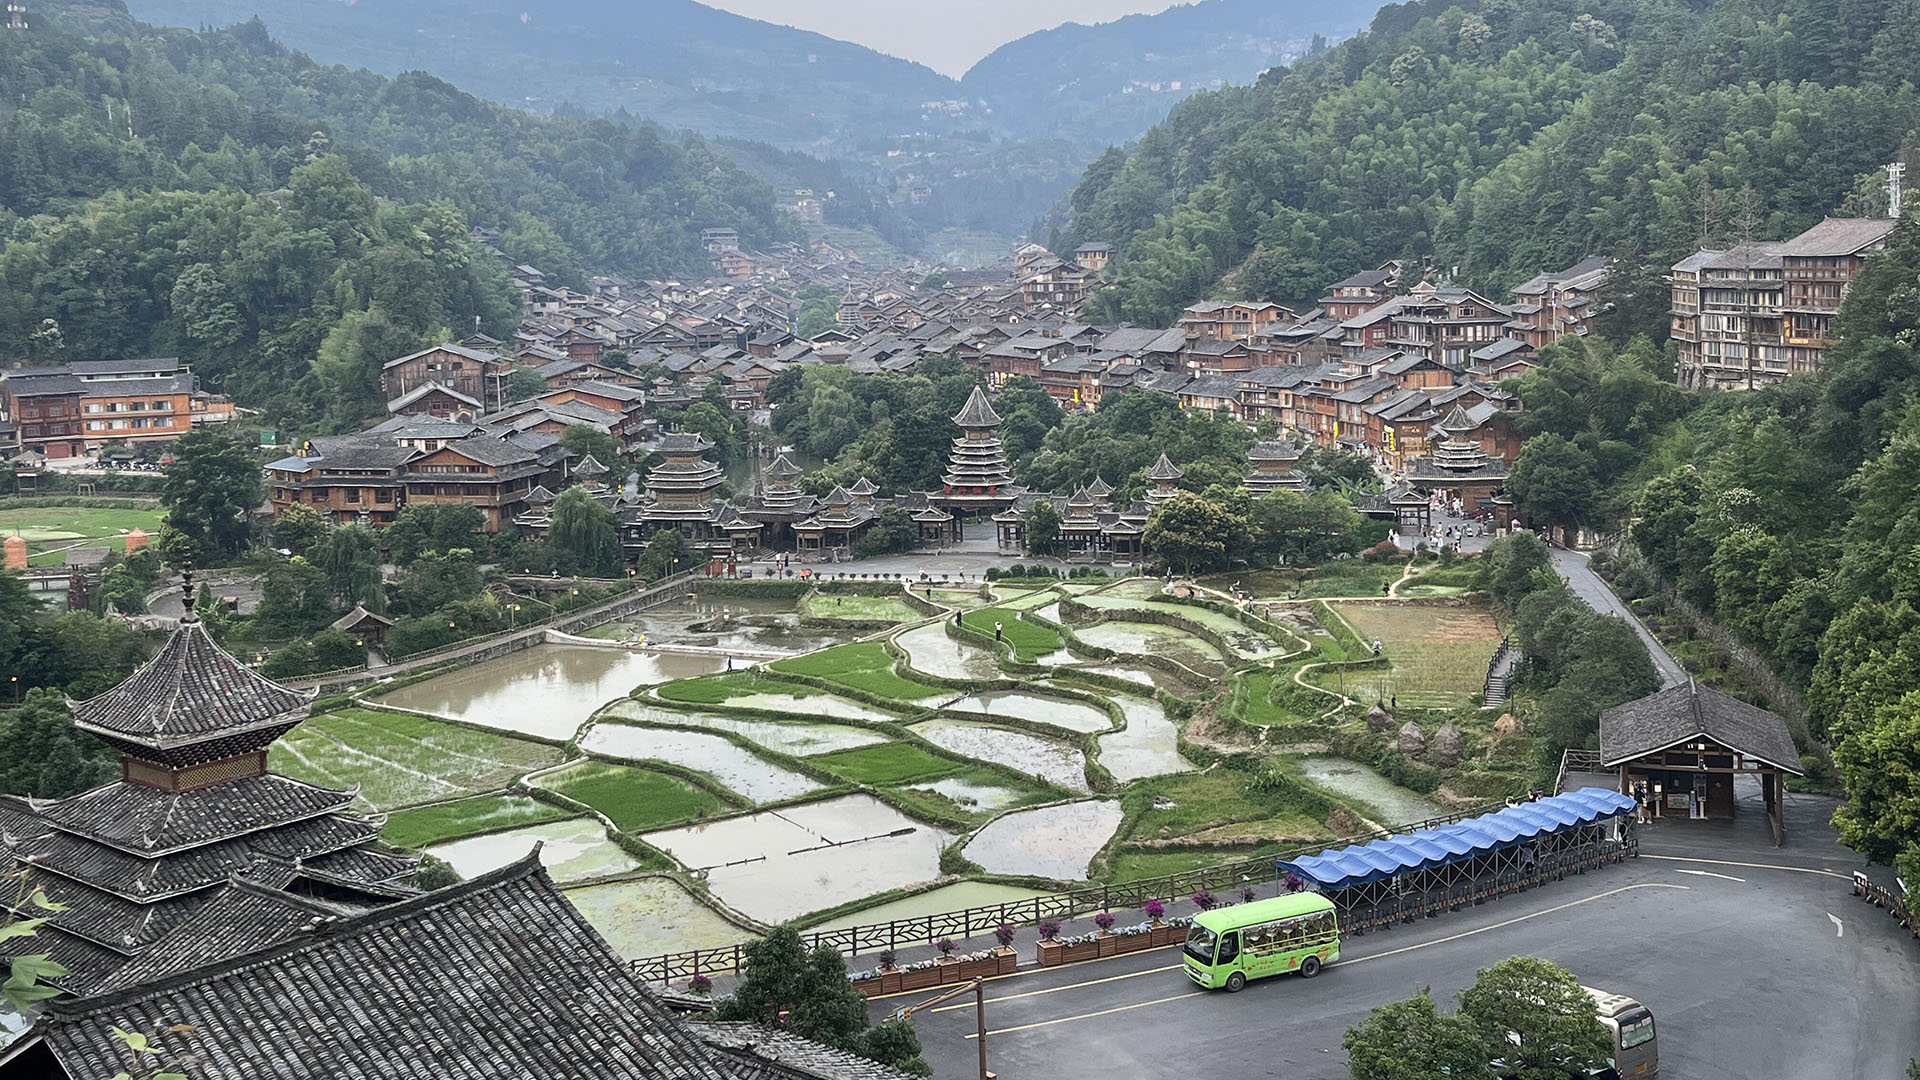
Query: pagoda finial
{"x": 186, "y": 591}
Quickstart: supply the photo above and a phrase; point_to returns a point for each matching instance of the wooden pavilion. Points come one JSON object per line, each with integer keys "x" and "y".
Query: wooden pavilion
{"x": 1679, "y": 749}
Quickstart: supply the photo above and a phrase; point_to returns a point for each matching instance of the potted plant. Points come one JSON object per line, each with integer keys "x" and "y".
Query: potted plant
{"x": 949, "y": 967}
{"x": 700, "y": 986}
{"x": 1133, "y": 938}
{"x": 1047, "y": 949}
{"x": 1079, "y": 947}
{"x": 1292, "y": 883}
{"x": 1007, "y": 960}
{"x": 1204, "y": 900}
{"x": 1103, "y": 933}
{"x": 921, "y": 974}
{"x": 1160, "y": 933}
{"x": 1247, "y": 894}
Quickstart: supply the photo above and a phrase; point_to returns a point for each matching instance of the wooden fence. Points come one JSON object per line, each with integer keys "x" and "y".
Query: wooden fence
{"x": 975, "y": 921}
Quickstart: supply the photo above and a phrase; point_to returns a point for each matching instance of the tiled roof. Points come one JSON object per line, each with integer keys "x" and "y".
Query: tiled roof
{"x": 1838, "y": 236}
{"x": 977, "y": 413}
{"x": 141, "y": 878}
{"x": 760, "y": 1053}
{"x": 148, "y": 821}
{"x": 1678, "y": 713}
{"x": 191, "y": 690}
{"x": 1164, "y": 469}
{"x": 497, "y": 977}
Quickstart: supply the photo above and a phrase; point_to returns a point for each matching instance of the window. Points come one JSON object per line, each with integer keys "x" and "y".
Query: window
{"x": 1229, "y": 947}
{"x": 118, "y": 425}
{"x": 1636, "y": 1028}
{"x": 96, "y": 425}
{"x": 161, "y": 406}
{"x": 94, "y": 407}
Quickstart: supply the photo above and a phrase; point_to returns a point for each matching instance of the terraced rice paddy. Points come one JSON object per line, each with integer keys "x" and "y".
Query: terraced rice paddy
{"x": 1391, "y": 804}
{"x": 1046, "y": 841}
{"x": 799, "y": 738}
{"x": 865, "y": 666}
{"x": 633, "y": 799}
{"x": 425, "y": 825}
{"x": 732, "y": 767}
{"x": 929, "y": 649}
{"x": 546, "y": 691}
{"x": 1152, "y": 639}
{"x": 1054, "y": 712}
{"x": 653, "y": 915}
{"x": 1437, "y": 654}
{"x": 1149, "y": 746}
{"x": 1055, "y": 762}
{"x": 400, "y": 760}
{"x": 955, "y": 897}
{"x": 575, "y": 849}
{"x": 1247, "y": 642}
{"x": 969, "y": 795}
{"x": 776, "y": 865}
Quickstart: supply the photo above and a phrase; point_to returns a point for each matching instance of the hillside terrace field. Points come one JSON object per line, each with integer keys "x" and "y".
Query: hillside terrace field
{"x": 402, "y": 760}
{"x": 1437, "y": 653}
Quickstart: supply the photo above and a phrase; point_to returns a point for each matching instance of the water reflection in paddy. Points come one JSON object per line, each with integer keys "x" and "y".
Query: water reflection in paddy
{"x": 733, "y": 767}
{"x": 571, "y": 850}
{"x": 548, "y": 690}
{"x": 1151, "y": 639}
{"x": 1055, "y": 762}
{"x": 798, "y": 737}
{"x": 1047, "y": 841}
{"x": 1395, "y": 804}
{"x": 1057, "y": 712}
{"x": 652, "y": 916}
{"x": 929, "y": 649}
{"x": 971, "y": 796}
{"x": 1148, "y": 747}
{"x": 786, "y": 864}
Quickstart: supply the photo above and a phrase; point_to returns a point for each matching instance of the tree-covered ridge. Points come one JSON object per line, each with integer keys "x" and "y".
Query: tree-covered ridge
{"x": 1498, "y": 138}
{"x": 133, "y": 106}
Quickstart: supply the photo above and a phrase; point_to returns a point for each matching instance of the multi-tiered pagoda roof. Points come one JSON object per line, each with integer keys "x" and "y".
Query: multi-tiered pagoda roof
{"x": 977, "y": 470}
{"x": 196, "y": 811}
{"x": 1164, "y": 475}
{"x": 1454, "y": 458}
{"x": 1274, "y": 466}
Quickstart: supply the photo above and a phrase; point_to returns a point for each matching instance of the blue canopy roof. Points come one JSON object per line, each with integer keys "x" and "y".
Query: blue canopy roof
{"x": 1378, "y": 860}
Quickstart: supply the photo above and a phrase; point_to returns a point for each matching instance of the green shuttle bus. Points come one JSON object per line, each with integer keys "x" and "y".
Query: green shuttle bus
{"x": 1228, "y": 946}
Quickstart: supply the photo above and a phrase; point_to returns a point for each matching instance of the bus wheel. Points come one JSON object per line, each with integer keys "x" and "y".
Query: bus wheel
{"x": 1236, "y": 982}
{"x": 1309, "y": 967}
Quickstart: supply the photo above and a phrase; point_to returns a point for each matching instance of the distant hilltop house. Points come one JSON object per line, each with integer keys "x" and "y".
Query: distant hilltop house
{"x": 1756, "y": 313}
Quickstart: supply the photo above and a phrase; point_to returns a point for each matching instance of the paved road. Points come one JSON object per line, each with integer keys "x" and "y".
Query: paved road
{"x": 1587, "y": 585}
{"x": 1746, "y": 973}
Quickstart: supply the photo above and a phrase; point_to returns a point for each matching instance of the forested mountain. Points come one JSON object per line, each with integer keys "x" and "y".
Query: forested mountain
{"x": 217, "y": 197}
{"x": 676, "y": 62}
{"x": 1501, "y": 137}
{"x": 1112, "y": 81}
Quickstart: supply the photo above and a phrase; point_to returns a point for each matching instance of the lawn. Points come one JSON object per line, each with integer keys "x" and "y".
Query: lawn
{"x": 1438, "y": 653}
{"x": 861, "y": 665}
{"x": 401, "y": 760}
{"x": 635, "y": 800}
{"x": 50, "y": 530}
{"x": 862, "y": 608}
{"x": 425, "y": 825}
{"x": 1351, "y": 577}
{"x": 1029, "y": 640}
{"x": 888, "y": 763}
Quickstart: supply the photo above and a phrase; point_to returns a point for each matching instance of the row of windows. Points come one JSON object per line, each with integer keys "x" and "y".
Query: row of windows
{"x": 136, "y": 424}
{"x": 129, "y": 406}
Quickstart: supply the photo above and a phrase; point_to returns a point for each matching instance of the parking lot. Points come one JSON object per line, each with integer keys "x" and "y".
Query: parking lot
{"x": 1756, "y": 961}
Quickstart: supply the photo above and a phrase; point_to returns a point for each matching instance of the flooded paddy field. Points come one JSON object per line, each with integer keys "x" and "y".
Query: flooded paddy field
{"x": 800, "y": 738}
{"x": 575, "y": 849}
{"x": 1148, "y": 746}
{"x": 1055, "y": 762}
{"x": 1046, "y": 841}
{"x": 1054, "y": 712}
{"x": 548, "y": 690}
{"x": 1394, "y": 804}
{"x": 651, "y": 916}
{"x": 1145, "y": 639}
{"x": 775, "y": 865}
{"x": 733, "y": 767}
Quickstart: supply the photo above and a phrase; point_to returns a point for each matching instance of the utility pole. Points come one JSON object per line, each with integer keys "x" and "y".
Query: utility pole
{"x": 1896, "y": 172}
{"x": 978, "y": 989}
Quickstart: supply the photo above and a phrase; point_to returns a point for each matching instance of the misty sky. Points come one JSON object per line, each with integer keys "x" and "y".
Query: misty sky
{"x": 946, "y": 35}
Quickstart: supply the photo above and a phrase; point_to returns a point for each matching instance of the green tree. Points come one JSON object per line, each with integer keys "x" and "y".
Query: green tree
{"x": 665, "y": 555}
{"x": 47, "y": 757}
{"x": 1043, "y": 528}
{"x": 525, "y": 382}
{"x": 1879, "y": 760}
{"x": 1191, "y": 534}
{"x": 1410, "y": 1040}
{"x": 583, "y": 535}
{"x": 1515, "y": 566}
{"x": 298, "y": 528}
{"x": 294, "y": 598}
{"x": 211, "y": 491}
{"x": 1533, "y": 1015}
{"x": 1554, "y": 483}
{"x": 582, "y": 440}
{"x": 807, "y": 993}
{"x": 350, "y": 557}
{"x": 336, "y": 649}
{"x": 430, "y": 527}
{"x": 893, "y": 531}
{"x": 349, "y": 359}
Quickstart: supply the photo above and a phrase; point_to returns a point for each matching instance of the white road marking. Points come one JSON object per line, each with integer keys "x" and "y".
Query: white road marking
{"x": 1709, "y": 873}
{"x": 1838, "y": 929}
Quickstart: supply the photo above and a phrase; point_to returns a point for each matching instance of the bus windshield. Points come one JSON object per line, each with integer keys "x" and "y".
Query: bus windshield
{"x": 1636, "y": 1028}
{"x": 1200, "y": 942}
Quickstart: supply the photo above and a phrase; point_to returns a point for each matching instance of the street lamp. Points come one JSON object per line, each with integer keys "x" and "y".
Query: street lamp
{"x": 978, "y": 989}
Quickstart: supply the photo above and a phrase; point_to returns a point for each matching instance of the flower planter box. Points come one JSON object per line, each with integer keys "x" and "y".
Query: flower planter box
{"x": 1126, "y": 943}
{"x": 1005, "y": 964}
{"x": 887, "y": 982}
{"x": 921, "y": 978}
{"x": 950, "y": 970}
{"x": 1107, "y": 944}
{"x": 1160, "y": 935}
{"x": 1053, "y": 954}
{"x": 1006, "y": 961}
